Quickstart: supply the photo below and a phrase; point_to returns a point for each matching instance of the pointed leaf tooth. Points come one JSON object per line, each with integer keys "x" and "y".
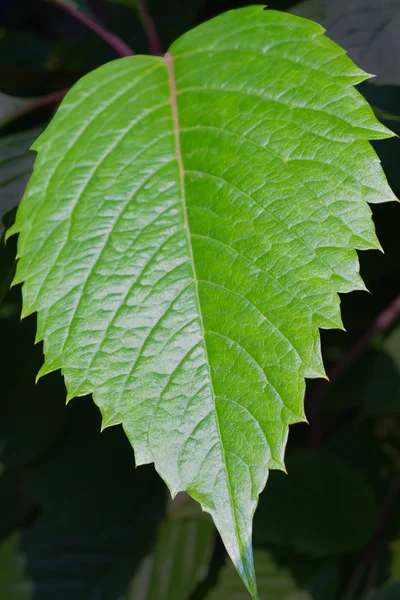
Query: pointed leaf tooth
{"x": 46, "y": 369}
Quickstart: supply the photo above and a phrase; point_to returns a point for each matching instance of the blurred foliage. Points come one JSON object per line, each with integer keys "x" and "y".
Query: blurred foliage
{"x": 14, "y": 584}
{"x": 78, "y": 522}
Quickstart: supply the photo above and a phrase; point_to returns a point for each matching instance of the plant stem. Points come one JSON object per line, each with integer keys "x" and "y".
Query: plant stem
{"x": 371, "y": 554}
{"x": 150, "y": 28}
{"x": 48, "y": 100}
{"x": 112, "y": 40}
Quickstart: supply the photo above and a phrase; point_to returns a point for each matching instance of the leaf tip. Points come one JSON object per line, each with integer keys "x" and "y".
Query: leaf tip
{"x": 68, "y": 398}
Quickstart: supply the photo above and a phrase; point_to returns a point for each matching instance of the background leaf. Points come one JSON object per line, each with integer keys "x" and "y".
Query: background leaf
{"x": 309, "y": 9}
{"x": 180, "y": 558}
{"x": 389, "y": 592}
{"x": 14, "y": 584}
{"x": 372, "y": 386}
{"x": 368, "y": 30}
{"x": 322, "y": 507}
{"x": 16, "y": 162}
{"x": 395, "y": 568}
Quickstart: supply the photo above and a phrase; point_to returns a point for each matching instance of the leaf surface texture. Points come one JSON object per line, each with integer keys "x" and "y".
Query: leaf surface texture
{"x": 189, "y": 224}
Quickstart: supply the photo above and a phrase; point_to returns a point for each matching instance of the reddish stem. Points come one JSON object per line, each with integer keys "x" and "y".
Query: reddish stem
{"x": 112, "y": 40}
{"x": 150, "y": 28}
{"x": 48, "y": 100}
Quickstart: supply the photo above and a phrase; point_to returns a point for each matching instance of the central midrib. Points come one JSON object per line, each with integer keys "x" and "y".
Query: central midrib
{"x": 174, "y": 106}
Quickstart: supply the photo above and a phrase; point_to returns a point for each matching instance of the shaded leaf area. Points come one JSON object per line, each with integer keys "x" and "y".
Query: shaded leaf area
{"x": 18, "y": 67}
{"x": 310, "y": 9}
{"x": 99, "y": 514}
{"x": 372, "y": 386}
{"x": 322, "y": 507}
{"x": 369, "y": 31}
{"x": 131, "y": 303}
{"x": 9, "y": 104}
{"x": 16, "y": 503}
{"x": 180, "y": 558}
{"x": 87, "y": 517}
{"x": 274, "y": 583}
{"x": 32, "y": 418}
{"x": 16, "y": 163}
{"x": 14, "y": 584}
{"x": 390, "y": 591}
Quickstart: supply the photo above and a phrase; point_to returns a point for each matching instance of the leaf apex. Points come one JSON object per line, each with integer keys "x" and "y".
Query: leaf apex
{"x": 68, "y": 398}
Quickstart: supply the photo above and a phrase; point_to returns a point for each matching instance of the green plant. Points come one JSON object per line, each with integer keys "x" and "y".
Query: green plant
{"x": 188, "y": 227}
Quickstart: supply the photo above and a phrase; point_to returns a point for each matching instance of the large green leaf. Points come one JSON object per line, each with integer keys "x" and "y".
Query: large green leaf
{"x": 189, "y": 224}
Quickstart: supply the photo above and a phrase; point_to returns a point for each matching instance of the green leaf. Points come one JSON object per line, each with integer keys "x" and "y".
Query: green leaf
{"x": 14, "y": 584}
{"x": 322, "y": 507}
{"x": 189, "y": 224}
{"x": 180, "y": 558}
{"x": 274, "y": 583}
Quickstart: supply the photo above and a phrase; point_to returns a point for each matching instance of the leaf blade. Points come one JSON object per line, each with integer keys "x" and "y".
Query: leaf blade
{"x": 203, "y": 362}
